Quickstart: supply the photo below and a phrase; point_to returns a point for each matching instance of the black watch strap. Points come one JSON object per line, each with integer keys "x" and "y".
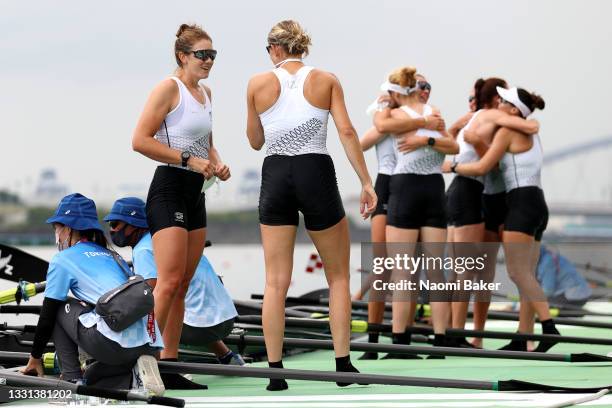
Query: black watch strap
{"x": 185, "y": 158}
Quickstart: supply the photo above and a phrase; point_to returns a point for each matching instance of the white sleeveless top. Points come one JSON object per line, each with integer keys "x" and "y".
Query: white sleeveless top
{"x": 292, "y": 126}
{"x": 189, "y": 124}
{"x": 494, "y": 182}
{"x": 385, "y": 154}
{"x": 424, "y": 160}
{"x": 467, "y": 153}
{"x": 523, "y": 169}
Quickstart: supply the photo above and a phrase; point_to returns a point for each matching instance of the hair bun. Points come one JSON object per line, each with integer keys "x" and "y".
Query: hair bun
{"x": 182, "y": 29}
{"x": 538, "y": 102}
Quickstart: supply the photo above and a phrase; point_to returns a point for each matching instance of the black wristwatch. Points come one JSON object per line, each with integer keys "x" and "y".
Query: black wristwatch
{"x": 185, "y": 158}
{"x": 454, "y": 167}
{"x": 431, "y": 141}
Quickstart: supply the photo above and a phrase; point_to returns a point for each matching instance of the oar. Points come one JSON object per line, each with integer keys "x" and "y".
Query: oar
{"x": 16, "y": 265}
{"x": 25, "y": 381}
{"x": 358, "y": 304}
{"x": 361, "y": 378}
{"x": 30, "y": 309}
{"x": 24, "y": 290}
{"x": 359, "y": 326}
{"x": 432, "y": 351}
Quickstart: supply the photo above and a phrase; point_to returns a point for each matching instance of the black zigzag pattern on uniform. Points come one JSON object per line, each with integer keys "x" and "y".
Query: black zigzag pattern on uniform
{"x": 296, "y": 139}
{"x": 200, "y": 147}
{"x": 427, "y": 164}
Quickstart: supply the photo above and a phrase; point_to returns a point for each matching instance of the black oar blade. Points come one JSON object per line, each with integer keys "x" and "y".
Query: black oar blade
{"x": 517, "y": 385}
{"x": 588, "y": 358}
{"x": 16, "y": 264}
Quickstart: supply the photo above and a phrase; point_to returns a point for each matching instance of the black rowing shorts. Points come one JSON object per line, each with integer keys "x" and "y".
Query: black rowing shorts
{"x": 305, "y": 183}
{"x": 495, "y": 210}
{"x": 527, "y": 211}
{"x": 464, "y": 202}
{"x": 417, "y": 201}
{"x": 175, "y": 199}
{"x": 381, "y": 187}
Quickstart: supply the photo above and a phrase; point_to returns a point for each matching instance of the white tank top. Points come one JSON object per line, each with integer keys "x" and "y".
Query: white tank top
{"x": 523, "y": 169}
{"x": 467, "y": 153}
{"x": 292, "y": 126}
{"x": 385, "y": 153}
{"x": 423, "y": 160}
{"x": 189, "y": 124}
{"x": 494, "y": 182}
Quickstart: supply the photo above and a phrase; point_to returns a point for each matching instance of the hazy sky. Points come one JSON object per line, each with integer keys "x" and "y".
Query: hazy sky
{"x": 75, "y": 75}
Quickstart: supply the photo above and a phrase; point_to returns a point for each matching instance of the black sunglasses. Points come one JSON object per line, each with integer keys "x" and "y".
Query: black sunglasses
{"x": 424, "y": 85}
{"x": 471, "y": 98}
{"x": 205, "y": 54}
{"x": 502, "y": 100}
{"x": 268, "y": 48}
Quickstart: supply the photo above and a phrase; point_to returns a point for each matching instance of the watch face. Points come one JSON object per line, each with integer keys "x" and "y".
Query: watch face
{"x": 185, "y": 155}
{"x": 431, "y": 141}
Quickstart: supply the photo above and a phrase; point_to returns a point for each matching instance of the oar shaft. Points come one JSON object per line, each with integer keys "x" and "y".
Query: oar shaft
{"x": 402, "y": 349}
{"x": 31, "y": 309}
{"x": 533, "y": 337}
{"x": 363, "y": 327}
{"x": 19, "y": 380}
{"x": 329, "y": 376}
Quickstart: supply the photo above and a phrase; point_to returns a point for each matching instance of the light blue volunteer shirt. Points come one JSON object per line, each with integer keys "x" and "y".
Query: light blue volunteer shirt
{"x": 207, "y": 302}
{"x": 88, "y": 271}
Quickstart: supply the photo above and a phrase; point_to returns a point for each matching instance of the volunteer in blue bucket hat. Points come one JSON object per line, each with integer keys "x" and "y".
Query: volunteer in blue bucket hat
{"x": 87, "y": 268}
{"x": 209, "y": 309}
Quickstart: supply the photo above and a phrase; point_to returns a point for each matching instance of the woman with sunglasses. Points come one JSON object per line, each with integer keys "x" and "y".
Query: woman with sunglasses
{"x": 416, "y": 201}
{"x": 175, "y": 128}
{"x": 87, "y": 268}
{"x": 288, "y": 110}
{"x": 385, "y": 154}
{"x": 520, "y": 161}
{"x": 476, "y": 205}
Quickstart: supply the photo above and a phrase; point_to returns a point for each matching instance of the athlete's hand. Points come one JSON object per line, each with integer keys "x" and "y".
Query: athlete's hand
{"x": 435, "y": 122}
{"x": 34, "y": 366}
{"x": 411, "y": 142}
{"x": 222, "y": 171}
{"x": 367, "y": 201}
{"x": 201, "y": 166}
{"x": 446, "y": 166}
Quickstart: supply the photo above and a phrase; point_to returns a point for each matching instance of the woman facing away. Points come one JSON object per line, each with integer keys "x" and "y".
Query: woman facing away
{"x": 476, "y": 205}
{"x": 416, "y": 209}
{"x": 175, "y": 128}
{"x": 86, "y": 268}
{"x": 288, "y": 110}
{"x": 520, "y": 160}
{"x": 386, "y": 159}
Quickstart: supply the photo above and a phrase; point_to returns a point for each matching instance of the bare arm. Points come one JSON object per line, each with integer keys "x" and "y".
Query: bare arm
{"x": 155, "y": 110}
{"x": 153, "y": 115}
{"x": 370, "y": 138}
{"x": 411, "y": 142}
{"x": 254, "y": 130}
{"x": 385, "y": 122}
{"x": 352, "y": 148}
{"x": 460, "y": 124}
{"x": 501, "y": 142}
{"x": 528, "y": 126}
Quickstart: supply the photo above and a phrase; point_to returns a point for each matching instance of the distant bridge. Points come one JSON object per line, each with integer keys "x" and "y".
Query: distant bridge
{"x": 578, "y": 149}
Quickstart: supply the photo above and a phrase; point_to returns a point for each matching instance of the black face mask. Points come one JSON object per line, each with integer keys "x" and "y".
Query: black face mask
{"x": 120, "y": 239}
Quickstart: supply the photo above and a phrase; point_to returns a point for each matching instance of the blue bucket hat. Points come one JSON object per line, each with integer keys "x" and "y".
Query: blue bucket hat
{"x": 130, "y": 210}
{"x": 77, "y": 212}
